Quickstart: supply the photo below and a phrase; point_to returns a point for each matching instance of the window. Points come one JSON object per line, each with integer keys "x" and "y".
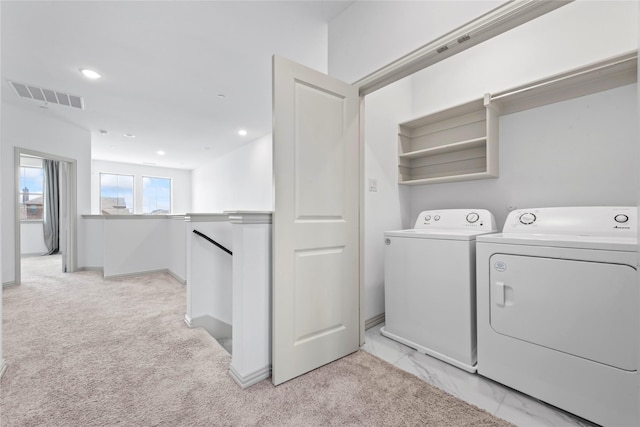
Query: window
{"x": 31, "y": 189}
{"x": 156, "y": 195}
{"x": 116, "y": 194}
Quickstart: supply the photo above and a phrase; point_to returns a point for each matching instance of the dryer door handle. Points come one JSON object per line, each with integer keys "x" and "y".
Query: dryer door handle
{"x": 498, "y": 292}
{"x": 502, "y": 294}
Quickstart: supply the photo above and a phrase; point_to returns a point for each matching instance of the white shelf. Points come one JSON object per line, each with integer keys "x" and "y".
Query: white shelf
{"x": 608, "y": 74}
{"x": 450, "y": 145}
{"x": 448, "y": 148}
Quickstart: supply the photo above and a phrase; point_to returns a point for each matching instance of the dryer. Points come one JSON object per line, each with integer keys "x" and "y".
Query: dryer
{"x": 430, "y": 284}
{"x": 557, "y": 301}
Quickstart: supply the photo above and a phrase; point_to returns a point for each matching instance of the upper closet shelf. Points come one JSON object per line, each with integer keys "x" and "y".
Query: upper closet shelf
{"x": 593, "y": 78}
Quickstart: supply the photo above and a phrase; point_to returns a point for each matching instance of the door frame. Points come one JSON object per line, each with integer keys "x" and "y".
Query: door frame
{"x": 72, "y": 209}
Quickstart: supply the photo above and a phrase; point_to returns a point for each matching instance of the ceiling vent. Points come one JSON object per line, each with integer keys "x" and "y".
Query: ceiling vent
{"x": 47, "y": 95}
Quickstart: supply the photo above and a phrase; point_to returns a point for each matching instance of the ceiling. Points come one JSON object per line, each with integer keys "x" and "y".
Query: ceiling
{"x": 164, "y": 66}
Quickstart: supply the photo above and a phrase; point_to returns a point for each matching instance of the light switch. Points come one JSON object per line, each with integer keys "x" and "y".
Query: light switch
{"x": 373, "y": 184}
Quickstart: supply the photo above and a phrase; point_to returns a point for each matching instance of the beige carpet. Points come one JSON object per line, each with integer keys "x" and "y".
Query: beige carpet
{"x": 83, "y": 351}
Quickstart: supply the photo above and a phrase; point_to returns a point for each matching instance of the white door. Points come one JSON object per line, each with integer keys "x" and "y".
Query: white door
{"x": 316, "y": 220}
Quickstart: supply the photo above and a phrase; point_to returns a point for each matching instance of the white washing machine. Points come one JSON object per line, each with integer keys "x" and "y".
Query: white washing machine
{"x": 430, "y": 284}
{"x": 558, "y": 309}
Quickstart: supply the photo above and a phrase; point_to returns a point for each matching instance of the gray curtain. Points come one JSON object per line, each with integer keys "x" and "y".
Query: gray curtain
{"x": 51, "y": 217}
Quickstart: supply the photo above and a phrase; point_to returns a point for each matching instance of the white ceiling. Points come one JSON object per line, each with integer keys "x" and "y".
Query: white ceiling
{"x": 163, "y": 65}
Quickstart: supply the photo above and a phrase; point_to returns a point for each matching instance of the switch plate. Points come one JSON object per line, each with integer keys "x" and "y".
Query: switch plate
{"x": 373, "y": 184}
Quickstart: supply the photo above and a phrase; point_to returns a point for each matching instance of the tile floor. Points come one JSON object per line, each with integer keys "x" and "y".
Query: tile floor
{"x": 495, "y": 398}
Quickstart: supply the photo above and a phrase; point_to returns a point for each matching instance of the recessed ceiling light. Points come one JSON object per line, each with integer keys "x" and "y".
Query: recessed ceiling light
{"x": 221, "y": 96}
{"x": 206, "y": 148}
{"x": 129, "y": 135}
{"x": 90, "y": 74}
{"x": 103, "y": 132}
{"x": 113, "y": 146}
{"x": 160, "y": 153}
{"x": 242, "y": 132}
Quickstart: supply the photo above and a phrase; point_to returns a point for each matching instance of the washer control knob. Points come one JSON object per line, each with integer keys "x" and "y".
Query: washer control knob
{"x": 527, "y": 218}
{"x": 437, "y": 217}
{"x": 621, "y": 218}
{"x": 427, "y": 218}
{"x": 472, "y": 217}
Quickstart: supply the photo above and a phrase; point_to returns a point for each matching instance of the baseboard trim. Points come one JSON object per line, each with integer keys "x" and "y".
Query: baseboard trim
{"x": 175, "y": 276}
{"x": 91, "y": 269}
{"x": 215, "y": 327}
{"x": 136, "y": 273}
{"x": 374, "y": 321}
{"x": 9, "y": 284}
{"x": 3, "y": 367}
{"x": 245, "y": 381}
{"x": 187, "y": 320}
{"x": 139, "y": 273}
{"x": 32, "y": 254}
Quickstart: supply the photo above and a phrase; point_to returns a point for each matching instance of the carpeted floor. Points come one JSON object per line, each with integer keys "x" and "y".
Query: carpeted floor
{"x": 83, "y": 351}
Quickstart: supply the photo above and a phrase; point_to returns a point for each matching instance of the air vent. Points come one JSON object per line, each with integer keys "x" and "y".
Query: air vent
{"x": 48, "y": 95}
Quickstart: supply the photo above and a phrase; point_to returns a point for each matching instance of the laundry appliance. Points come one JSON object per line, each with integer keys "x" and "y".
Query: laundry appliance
{"x": 430, "y": 284}
{"x": 557, "y": 308}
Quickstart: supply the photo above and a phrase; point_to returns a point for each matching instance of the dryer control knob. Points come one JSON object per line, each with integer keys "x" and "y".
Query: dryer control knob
{"x": 527, "y": 218}
{"x": 427, "y": 218}
{"x": 437, "y": 217}
{"x": 621, "y": 218}
{"x": 473, "y": 217}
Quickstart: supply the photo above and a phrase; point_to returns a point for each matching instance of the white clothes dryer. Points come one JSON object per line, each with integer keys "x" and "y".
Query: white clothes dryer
{"x": 558, "y": 296}
{"x": 430, "y": 284}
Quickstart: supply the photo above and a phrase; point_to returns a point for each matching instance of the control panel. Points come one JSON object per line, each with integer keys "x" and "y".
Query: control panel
{"x": 457, "y": 219}
{"x": 584, "y": 220}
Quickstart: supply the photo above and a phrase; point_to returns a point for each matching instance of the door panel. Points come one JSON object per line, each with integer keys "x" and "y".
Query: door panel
{"x": 316, "y": 220}
{"x": 584, "y": 308}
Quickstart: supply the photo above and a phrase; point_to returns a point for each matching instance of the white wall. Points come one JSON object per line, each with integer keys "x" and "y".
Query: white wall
{"x": 37, "y": 129}
{"x": 563, "y": 39}
{"x": 371, "y": 34}
{"x": 135, "y": 245}
{"x": 239, "y": 180}
{"x": 388, "y": 207}
{"x": 181, "y": 183}
{"x": 32, "y": 238}
{"x": 93, "y": 235}
{"x": 178, "y": 248}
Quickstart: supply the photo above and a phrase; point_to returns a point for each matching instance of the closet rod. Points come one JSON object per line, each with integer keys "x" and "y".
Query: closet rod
{"x": 628, "y": 59}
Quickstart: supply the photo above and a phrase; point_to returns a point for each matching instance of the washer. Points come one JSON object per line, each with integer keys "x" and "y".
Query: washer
{"x": 430, "y": 284}
{"x": 558, "y": 309}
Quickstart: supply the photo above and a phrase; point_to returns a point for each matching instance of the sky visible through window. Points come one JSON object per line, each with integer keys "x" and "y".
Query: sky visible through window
{"x": 156, "y": 195}
{"x": 32, "y": 179}
{"x": 116, "y": 194}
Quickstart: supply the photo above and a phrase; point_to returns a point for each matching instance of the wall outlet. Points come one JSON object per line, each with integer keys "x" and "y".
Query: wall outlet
{"x": 373, "y": 184}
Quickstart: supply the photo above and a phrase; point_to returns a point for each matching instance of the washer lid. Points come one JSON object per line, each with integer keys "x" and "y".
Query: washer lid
{"x": 608, "y": 243}
{"x": 421, "y": 233}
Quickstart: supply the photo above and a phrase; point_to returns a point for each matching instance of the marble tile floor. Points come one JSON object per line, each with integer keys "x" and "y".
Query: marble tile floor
{"x": 501, "y": 401}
